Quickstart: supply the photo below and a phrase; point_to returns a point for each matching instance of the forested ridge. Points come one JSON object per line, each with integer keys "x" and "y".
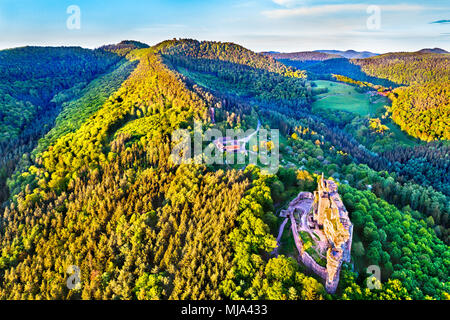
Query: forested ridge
{"x": 35, "y": 83}
{"x": 100, "y": 192}
{"x": 229, "y": 52}
{"x": 423, "y": 107}
{"x": 407, "y": 68}
{"x": 31, "y": 76}
{"x": 419, "y": 82}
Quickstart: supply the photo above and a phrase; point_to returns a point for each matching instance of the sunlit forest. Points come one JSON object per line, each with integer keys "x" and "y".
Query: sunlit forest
{"x": 86, "y": 177}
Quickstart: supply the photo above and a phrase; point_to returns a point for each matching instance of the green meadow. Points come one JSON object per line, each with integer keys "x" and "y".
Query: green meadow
{"x": 341, "y": 96}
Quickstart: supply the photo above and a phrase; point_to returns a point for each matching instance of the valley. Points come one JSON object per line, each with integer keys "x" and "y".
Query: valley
{"x": 93, "y": 184}
{"x": 345, "y": 97}
{"x": 341, "y": 96}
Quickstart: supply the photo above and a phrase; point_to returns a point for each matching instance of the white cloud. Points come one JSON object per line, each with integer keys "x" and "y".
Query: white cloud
{"x": 288, "y": 3}
{"x": 327, "y": 9}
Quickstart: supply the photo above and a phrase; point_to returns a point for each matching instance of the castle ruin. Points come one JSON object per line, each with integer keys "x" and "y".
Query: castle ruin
{"x": 323, "y": 217}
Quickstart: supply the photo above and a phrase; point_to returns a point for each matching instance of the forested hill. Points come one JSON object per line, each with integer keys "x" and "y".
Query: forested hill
{"x": 36, "y": 83}
{"x": 31, "y": 76}
{"x": 420, "y": 80}
{"x": 99, "y": 190}
{"x": 434, "y": 50}
{"x": 228, "y": 52}
{"x": 422, "y": 108}
{"x": 255, "y": 78}
{"x": 124, "y": 47}
{"x": 408, "y": 68}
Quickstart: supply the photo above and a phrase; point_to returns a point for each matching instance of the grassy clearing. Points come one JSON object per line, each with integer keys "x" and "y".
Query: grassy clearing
{"x": 341, "y": 96}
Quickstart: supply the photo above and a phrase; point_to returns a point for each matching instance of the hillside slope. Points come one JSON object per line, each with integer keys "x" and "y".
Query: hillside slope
{"x": 422, "y": 108}
{"x": 101, "y": 192}
{"x": 420, "y": 79}
{"x": 228, "y": 52}
{"x": 105, "y": 197}
{"x": 35, "y": 82}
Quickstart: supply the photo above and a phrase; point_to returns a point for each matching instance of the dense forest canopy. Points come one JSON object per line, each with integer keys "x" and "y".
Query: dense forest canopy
{"x": 31, "y": 76}
{"x": 97, "y": 189}
{"x": 422, "y": 108}
{"x": 408, "y": 68}
{"x": 420, "y": 99}
{"x": 229, "y": 52}
{"x": 36, "y": 83}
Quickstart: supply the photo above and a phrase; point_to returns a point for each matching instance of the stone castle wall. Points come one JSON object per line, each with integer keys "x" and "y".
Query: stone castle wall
{"x": 319, "y": 214}
{"x": 311, "y": 264}
{"x": 322, "y": 272}
{"x": 314, "y": 266}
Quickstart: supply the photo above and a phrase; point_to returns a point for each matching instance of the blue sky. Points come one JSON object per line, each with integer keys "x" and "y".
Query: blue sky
{"x": 279, "y": 25}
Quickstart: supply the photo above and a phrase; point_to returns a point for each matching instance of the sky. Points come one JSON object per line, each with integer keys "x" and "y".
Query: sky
{"x": 260, "y": 25}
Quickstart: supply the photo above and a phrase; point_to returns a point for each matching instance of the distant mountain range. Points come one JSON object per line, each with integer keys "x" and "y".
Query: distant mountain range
{"x": 320, "y": 55}
{"x": 302, "y": 56}
{"x": 435, "y": 50}
{"x": 350, "y": 54}
{"x": 323, "y": 55}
